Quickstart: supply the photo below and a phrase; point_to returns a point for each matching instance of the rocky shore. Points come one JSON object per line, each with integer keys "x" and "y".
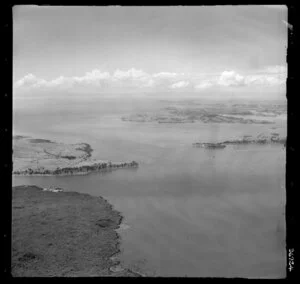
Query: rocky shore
{"x": 64, "y": 234}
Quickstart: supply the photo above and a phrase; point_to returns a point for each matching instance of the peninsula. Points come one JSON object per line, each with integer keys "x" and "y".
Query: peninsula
{"x": 273, "y": 138}
{"x": 45, "y": 157}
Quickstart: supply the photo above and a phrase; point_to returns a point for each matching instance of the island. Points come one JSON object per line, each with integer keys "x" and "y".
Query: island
{"x": 259, "y": 139}
{"x": 33, "y": 156}
{"x": 64, "y": 234}
{"x": 191, "y": 112}
{"x": 273, "y": 138}
{"x": 210, "y": 145}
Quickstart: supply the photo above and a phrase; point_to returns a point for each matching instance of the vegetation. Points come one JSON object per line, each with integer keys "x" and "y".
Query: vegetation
{"x": 40, "y": 141}
{"x": 77, "y": 169}
{"x": 247, "y": 139}
{"x": 64, "y": 234}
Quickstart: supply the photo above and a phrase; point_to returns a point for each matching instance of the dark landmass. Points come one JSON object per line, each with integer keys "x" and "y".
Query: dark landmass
{"x": 40, "y": 141}
{"x": 64, "y": 234}
{"x": 210, "y": 145}
{"x": 87, "y": 149}
{"x": 19, "y": 137}
{"x": 260, "y": 139}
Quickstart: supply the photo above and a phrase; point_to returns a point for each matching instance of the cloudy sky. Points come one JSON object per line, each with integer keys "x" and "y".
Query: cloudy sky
{"x": 213, "y": 49}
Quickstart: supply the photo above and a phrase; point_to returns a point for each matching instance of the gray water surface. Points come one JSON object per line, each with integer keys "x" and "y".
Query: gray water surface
{"x": 189, "y": 211}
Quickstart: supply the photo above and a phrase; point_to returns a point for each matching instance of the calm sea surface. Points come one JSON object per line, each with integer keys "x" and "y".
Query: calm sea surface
{"x": 189, "y": 211}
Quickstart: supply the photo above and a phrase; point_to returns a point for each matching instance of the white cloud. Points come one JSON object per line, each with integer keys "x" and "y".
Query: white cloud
{"x": 270, "y": 75}
{"x": 29, "y": 80}
{"x": 120, "y": 78}
{"x": 180, "y": 84}
{"x": 135, "y": 79}
{"x": 204, "y": 85}
{"x": 132, "y": 78}
{"x": 167, "y": 75}
{"x": 96, "y": 75}
{"x": 129, "y": 74}
{"x": 231, "y": 78}
{"x": 276, "y": 69}
{"x": 264, "y": 80}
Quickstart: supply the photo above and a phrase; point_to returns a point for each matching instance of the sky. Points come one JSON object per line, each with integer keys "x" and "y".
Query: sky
{"x": 200, "y": 50}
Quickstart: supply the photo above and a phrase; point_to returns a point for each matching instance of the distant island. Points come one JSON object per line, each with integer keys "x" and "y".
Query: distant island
{"x": 210, "y": 145}
{"x": 45, "y": 157}
{"x": 247, "y": 139}
{"x": 206, "y": 113}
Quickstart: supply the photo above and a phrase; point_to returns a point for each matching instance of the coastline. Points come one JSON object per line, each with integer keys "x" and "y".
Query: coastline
{"x": 52, "y": 240}
{"x": 72, "y": 171}
{"x": 64, "y": 234}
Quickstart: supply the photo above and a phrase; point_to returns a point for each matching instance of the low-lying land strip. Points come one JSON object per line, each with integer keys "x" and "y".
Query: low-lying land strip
{"x": 45, "y": 157}
{"x": 247, "y": 139}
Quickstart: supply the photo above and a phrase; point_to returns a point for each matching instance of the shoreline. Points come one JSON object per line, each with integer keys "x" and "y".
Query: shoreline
{"x": 76, "y": 171}
{"x": 42, "y": 239}
{"x": 49, "y": 158}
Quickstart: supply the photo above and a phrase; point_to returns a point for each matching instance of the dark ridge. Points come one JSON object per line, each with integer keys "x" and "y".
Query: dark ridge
{"x": 86, "y": 148}
{"x": 68, "y": 157}
{"x": 76, "y": 237}
{"x": 77, "y": 169}
{"x": 19, "y": 137}
{"x": 37, "y": 140}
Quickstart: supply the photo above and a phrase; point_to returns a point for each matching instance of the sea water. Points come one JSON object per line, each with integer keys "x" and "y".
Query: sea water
{"x": 187, "y": 211}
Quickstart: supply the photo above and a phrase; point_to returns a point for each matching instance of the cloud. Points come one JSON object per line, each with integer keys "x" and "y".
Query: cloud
{"x": 231, "y": 78}
{"x": 96, "y": 75}
{"x": 129, "y": 74}
{"x": 268, "y": 76}
{"x": 204, "y": 85}
{"x": 29, "y": 80}
{"x": 180, "y": 84}
{"x": 133, "y": 78}
{"x": 276, "y": 69}
{"x": 136, "y": 79}
{"x": 264, "y": 80}
{"x": 167, "y": 75}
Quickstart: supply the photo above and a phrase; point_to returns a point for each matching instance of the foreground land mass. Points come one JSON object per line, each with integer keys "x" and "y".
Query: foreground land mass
{"x": 45, "y": 157}
{"x": 64, "y": 234}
